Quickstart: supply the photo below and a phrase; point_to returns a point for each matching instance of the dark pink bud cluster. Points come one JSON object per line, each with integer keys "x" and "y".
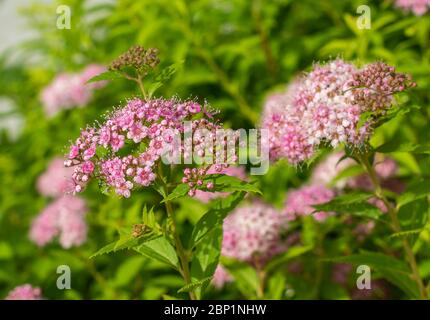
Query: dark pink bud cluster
{"x": 194, "y": 178}
{"x": 375, "y": 85}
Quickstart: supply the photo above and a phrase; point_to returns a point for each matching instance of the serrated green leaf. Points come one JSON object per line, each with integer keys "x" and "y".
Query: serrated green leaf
{"x": 205, "y": 258}
{"x": 415, "y": 191}
{"x": 109, "y": 248}
{"x": 126, "y": 241}
{"x": 108, "y": 75}
{"x": 355, "y": 204}
{"x": 160, "y": 249}
{"x": 226, "y": 183}
{"x": 195, "y": 285}
{"x": 180, "y": 191}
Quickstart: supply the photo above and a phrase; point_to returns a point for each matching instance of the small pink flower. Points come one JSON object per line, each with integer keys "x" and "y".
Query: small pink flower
{"x": 117, "y": 142}
{"x": 74, "y": 151}
{"x": 90, "y": 152}
{"x": 88, "y": 167}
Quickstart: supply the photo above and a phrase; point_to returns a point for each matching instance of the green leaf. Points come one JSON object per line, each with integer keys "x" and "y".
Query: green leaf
{"x": 163, "y": 76}
{"x": 395, "y": 146}
{"x": 148, "y": 218}
{"x": 348, "y": 172}
{"x": 226, "y": 183}
{"x": 407, "y": 233}
{"x": 245, "y": 276}
{"x": 353, "y": 203}
{"x": 180, "y": 191}
{"x": 205, "y": 258}
{"x": 392, "y": 269}
{"x": 414, "y": 215}
{"x": 215, "y": 216}
{"x": 415, "y": 191}
{"x": 291, "y": 253}
{"x": 195, "y": 285}
{"x": 126, "y": 241}
{"x": 276, "y": 286}
{"x": 108, "y": 75}
{"x": 128, "y": 270}
{"x": 160, "y": 249}
{"x": 105, "y": 250}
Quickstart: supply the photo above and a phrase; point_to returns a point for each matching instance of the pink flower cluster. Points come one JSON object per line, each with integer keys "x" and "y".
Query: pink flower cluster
{"x": 253, "y": 234}
{"x": 149, "y": 129}
{"x": 205, "y": 196}
{"x": 25, "y": 292}
{"x": 65, "y": 218}
{"x": 69, "y": 90}
{"x": 300, "y": 202}
{"x": 56, "y": 180}
{"x": 418, "y": 7}
{"x": 326, "y": 106}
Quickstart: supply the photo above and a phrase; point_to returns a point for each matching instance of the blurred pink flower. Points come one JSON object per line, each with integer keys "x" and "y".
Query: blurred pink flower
{"x": 25, "y": 292}
{"x": 65, "y": 217}
{"x": 69, "y": 90}
{"x": 329, "y": 168}
{"x": 221, "y": 277}
{"x": 254, "y": 233}
{"x": 300, "y": 202}
{"x": 56, "y": 180}
{"x": 418, "y": 7}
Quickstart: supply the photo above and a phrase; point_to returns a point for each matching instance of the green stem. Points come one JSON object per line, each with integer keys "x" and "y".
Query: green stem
{"x": 183, "y": 256}
{"x": 271, "y": 64}
{"x": 140, "y": 83}
{"x": 395, "y": 224}
{"x": 261, "y": 275}
{"x": 180, "y": 250}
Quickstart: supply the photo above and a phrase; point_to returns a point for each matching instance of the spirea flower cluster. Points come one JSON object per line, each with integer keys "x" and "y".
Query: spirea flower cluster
{"x": 65, "y": 218}
{"x": 254, "y": 234}
{"x": 69, "y": 90}
{"x": 326, "y": 106}
{"x": 418, "y": 7}
{"x": 125, "y": 150}
{"x": 25, "y": 292}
